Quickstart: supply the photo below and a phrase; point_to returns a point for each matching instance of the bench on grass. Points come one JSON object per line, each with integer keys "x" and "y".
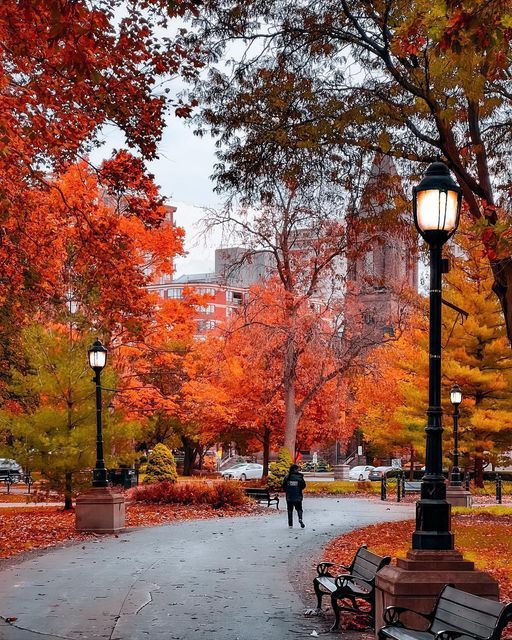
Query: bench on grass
{"x": 456, "y": 614}
{"x": 412, "y": 485}
{"x": 356, "y": 582}
{"x": 260, "y": 494}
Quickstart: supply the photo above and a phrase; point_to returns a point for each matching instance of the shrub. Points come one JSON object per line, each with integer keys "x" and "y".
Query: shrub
{"x": 216, "y": 495}
{"x": 161, "y": 466}
{"x": 279, "y": 469}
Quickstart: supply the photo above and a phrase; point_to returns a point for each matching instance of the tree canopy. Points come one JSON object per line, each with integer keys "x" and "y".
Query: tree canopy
{"x": 321, "y": 85}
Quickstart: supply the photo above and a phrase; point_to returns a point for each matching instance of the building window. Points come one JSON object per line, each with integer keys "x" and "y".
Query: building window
{"x": 175, "y": 293}
{"x": 206, "y": 291}
{"x": 205, "y": 325}
{"x": 235, "y": 297}
{"x": 368, "y": 263}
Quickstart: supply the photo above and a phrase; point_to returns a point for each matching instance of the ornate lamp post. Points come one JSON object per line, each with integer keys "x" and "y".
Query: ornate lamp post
{"x": 456, "y": 399}
{"x": 436, "y": 207}
{"x": 97, "y": 361}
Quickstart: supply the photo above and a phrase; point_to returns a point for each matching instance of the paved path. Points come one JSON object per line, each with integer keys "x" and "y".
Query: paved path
{"x": 224, "y": 579}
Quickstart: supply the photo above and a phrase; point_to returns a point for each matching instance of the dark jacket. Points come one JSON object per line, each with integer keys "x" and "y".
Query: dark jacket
{"x": 293, "y": 484}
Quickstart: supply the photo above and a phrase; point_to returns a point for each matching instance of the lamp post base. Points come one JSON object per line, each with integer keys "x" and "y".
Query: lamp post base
{"x": 100, "y": 510}
{"x": 457, "y": 496}
{"x": 341, "y": 472}
{"x": 416, "y": 581}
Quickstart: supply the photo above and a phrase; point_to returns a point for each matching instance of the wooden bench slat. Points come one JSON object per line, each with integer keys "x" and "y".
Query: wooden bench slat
{"x": 475, "y": 602}
{"x": 400, "y": 633}
{"x": 467, "y": 613}
{"x": 448, "y": 620}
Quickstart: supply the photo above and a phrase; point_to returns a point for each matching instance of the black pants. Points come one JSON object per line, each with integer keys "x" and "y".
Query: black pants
{"x": 298, "y": 506}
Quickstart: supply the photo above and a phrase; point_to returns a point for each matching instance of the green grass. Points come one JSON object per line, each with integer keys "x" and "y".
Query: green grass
{"x": 496, "y": 510}
{"x": 341, "y": 487}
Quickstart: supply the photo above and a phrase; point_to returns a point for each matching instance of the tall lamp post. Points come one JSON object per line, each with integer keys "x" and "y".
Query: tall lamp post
{"x": 436, "y": 207}
{"x": 97, "y": 361}
{"x": 455, "y": 399}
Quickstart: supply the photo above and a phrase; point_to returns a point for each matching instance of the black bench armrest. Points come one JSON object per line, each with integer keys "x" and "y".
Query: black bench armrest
{"x": 323, "y": 568}
{"x": 392, "y": 615}
{"x": 344, "y": 578}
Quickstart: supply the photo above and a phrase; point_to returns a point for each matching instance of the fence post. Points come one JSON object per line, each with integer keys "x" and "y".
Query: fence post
{"x": 383, "y": 488}
{"x": 398, "y": 486}
{"x": 498, "y": 488}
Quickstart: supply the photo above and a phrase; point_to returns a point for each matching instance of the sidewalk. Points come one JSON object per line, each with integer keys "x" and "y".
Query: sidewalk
{"x": 246, "y": 578}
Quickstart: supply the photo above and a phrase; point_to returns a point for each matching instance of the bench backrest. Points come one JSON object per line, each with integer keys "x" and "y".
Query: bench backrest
{"x": 467, "y": 613}
{"x": 257, "y": 492}
{"x": 366, "y": 564}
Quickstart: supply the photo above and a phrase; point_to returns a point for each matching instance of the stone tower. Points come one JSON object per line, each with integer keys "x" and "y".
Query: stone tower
{"x": 382, "y": 262}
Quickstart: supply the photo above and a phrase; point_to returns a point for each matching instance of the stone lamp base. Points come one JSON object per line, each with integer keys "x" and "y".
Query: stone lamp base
{"x": 457, "y": 496}
{"x": 100, "y": 510}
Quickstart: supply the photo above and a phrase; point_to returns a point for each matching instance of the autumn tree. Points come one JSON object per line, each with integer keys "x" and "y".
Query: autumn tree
{"x": 154, "y": 373}
{"x": 51, "y": 417}
{"x": 70, "y": 68}
{"x": 325, "y": 85}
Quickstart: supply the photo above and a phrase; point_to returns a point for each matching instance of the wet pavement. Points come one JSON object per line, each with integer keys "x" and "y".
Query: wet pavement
{"x": 224, "y": 579}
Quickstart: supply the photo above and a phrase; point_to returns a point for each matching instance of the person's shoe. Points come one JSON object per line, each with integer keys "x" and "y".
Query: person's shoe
{"x": 302, "y": 524}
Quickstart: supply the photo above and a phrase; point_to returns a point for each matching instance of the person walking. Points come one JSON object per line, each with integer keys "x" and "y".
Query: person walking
{"x": 293, "y": 485}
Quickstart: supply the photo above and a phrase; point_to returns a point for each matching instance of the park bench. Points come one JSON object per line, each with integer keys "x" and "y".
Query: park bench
{"x": 261, "y": 494}
{"x": 356, "y": 582}
{"x": 456, "y": 614}
{"x": 412, "y": 486}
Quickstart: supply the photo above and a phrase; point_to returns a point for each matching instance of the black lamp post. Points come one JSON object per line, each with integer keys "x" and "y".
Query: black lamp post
{"x": 97, "y": 361}
{"x": 436, "y": 207}
{"x": 456, "y": 399}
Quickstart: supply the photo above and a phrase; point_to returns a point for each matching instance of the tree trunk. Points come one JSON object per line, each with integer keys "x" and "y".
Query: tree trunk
{"x": 290, "y": 432}
{"x": 266, "y": 451}
{"x": 502, "y": 287}
{"x": 479, "y": 471}
{"x": 190, "y": 451}
{"x": 68, "y": 490}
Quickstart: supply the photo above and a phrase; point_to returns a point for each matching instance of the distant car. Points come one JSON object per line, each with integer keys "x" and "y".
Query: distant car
{"x": 360, "y": 472}
{"x": 378, "y": 472}
{"x": 9, "y": 467}
{"x": 244, "y": 471}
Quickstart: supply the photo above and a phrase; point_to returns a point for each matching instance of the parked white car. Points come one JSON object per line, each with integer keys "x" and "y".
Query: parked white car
{"x": 360, "y": 472}
{"x": 244, "y": 471}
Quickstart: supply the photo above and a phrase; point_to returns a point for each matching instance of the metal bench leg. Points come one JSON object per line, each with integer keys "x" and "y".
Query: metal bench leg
{"x": 319, "y": 594}
{"x": 336, "y": 610}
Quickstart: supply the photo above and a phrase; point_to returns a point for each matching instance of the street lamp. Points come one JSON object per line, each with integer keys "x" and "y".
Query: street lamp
{"x": 455, "y": 399}
{"x": 97, "y": 361}
{"x": 436, "y": 207}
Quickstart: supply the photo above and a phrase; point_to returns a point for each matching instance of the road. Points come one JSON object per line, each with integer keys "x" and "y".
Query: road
{"x": 224, "y": 579}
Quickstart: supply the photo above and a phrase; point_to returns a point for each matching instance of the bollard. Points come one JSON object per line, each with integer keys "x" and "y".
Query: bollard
{"x": 498, "y": 488}
{"x": 383, "y": 488}
{"x": 398, "y": 487}
{"x": 403, "y": 484}
{"x": 466, "y": 480}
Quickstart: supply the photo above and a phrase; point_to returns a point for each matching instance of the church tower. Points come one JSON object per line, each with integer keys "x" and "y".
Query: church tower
{"x": 382, "y": 262}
